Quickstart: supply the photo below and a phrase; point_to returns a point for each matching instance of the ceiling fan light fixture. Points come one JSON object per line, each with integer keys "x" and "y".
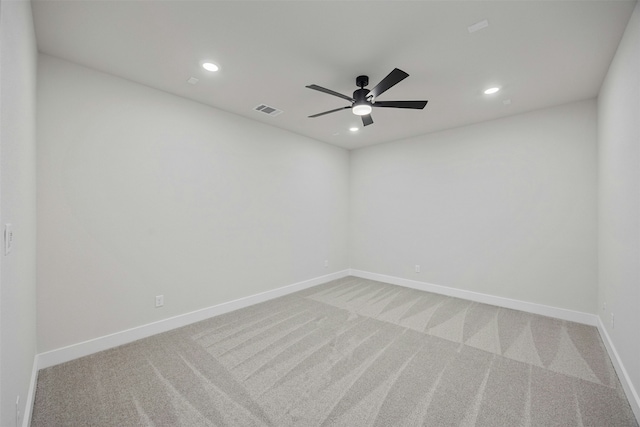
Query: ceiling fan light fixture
{"x": 361, "y": 109}
{"x": 361, "y": 103}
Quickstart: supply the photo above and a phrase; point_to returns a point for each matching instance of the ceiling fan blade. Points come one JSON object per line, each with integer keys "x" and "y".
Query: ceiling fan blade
{"x": 330, "y": 92}
{"x": 330, "y": 111}
{"x": 367, "y": 120}
{"x": 416, "y": 105}
{"x": 392, "y": 79}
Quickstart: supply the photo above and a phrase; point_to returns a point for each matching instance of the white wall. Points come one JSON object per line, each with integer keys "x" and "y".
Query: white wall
{"x": 18, "y": 204}
{"x": 505, "y": 208}
{"x": 141, "y": 193}
{"x": 619, "y": 200}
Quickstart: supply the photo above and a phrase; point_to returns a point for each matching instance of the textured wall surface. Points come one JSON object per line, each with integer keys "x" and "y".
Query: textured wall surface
{"x": 141, "y": 193}
{"x": 18, "y": 59}
{"x": 505, "y": 208}
{"x": 619, "y": 200}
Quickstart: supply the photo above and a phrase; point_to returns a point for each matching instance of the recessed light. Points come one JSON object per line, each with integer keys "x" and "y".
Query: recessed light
{"x": 491, "y": 90}
{"x": 353, "y": 129}
{"x": 210, "y": 66}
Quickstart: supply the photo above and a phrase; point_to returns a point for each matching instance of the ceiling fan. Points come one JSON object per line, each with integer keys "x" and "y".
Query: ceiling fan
{"x": 364, "y": 100}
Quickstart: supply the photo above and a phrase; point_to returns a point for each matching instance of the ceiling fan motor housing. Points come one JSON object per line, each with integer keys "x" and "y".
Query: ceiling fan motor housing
{"x": 360, "y": 96}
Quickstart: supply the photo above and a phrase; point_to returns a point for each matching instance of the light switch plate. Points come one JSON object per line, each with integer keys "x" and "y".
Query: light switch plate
{"x": 8, "y": 238}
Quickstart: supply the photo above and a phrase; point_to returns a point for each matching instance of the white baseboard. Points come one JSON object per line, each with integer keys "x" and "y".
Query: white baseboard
{"x": 529, "y": 307}
{"x": 627, "y": 385}
{"x": 28, "y": 404}
{"x": 65, "y": 354}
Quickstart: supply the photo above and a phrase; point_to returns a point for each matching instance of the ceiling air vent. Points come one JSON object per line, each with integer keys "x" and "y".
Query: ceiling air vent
{"x": 271, "y": 111}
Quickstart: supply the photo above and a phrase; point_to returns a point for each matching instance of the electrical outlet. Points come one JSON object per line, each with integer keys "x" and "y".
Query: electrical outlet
{"x": 417, "y": 268}
{"x": 604, "y": 306}
{"x": 326, "y": 263}
{"x": 613, "y": 324}
{"x": 159, "y": 301}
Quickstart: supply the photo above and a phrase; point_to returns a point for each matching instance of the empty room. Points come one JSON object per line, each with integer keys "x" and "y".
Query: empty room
{"x": 313, "y": 213}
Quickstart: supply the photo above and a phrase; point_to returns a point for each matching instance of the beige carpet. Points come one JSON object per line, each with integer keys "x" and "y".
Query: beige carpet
{"x": 352, "y": 352}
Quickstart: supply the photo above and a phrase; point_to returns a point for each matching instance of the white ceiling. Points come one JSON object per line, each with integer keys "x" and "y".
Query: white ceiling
{"x": 541, "y": 53}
